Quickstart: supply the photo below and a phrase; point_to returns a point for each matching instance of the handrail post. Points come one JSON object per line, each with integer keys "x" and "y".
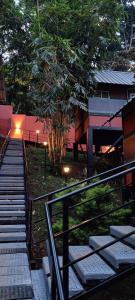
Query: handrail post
{"x": 66, "y": 248}
{"x": 53, "y": 283}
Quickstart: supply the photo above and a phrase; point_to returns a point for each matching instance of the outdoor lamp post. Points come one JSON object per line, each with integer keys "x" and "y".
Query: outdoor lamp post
{"x": 45, "y": 145}
{"x": 37, "y": 133}
{"x": 66, "y": 171}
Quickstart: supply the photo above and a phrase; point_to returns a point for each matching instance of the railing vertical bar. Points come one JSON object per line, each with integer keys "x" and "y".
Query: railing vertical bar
{"x": 66, "y": 248}
{"x": 55, "y": 261}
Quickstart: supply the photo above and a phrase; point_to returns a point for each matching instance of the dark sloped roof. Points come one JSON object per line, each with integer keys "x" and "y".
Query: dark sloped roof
{"x": 115, "y": 77}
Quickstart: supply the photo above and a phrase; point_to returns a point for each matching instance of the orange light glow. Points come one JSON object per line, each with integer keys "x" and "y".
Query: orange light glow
{"x": 37, "y": 131}
{"x": 106, "y": 148}
{"x": 45, "y": 144}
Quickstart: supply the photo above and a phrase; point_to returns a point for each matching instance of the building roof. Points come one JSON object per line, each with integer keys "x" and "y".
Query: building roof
{"x": 115, "y": 77}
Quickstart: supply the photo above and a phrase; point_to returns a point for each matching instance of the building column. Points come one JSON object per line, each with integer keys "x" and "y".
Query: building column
{"x": 90, "y": 151}
{"x": 75, "y": 151}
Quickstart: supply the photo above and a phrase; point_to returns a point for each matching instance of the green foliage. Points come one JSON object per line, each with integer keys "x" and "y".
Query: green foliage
{"x": 93, "y": 202}
{"x": 61, "y": 42}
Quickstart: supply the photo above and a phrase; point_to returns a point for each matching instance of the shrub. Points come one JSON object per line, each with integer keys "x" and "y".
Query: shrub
{"x": 95, "y": 201}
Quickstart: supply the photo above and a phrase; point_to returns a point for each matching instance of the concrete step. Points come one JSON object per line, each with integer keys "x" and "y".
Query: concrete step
{"x": 11, "y": 179}
{"x": 12, "y": 213}
{"x": 11, "y": 188}
{"x": 120, "y": 231}
{"x": 12, "y": 202}
{"x": 12, "y": 237}
{"x": 12, "y": 197}
{"x": 16, "y": 290}
{"x": 10, "y": 167}
{"x": 13, "y": 153}
{"x": 7, "y": 248}
{"x": 14, "y": 260}
{"x": 14, "y": 143}
{"x": 11, "y": 184}
{"x": 92, "y": 267}
{"x": 13, "y": 160}
{"x": 10, "y": 192}
{"x": 11, "y": 172}
{"x": 15, "y": 283}
{"x": 39, "y": 284}
{"x": 14, "y": 147}
{"x": 12, "y": 220}
{"x": 12, "y": 207}
{"x": 116, "y": 254}
{"x": 75, "y": 286}
{"x": 12, "y": 228}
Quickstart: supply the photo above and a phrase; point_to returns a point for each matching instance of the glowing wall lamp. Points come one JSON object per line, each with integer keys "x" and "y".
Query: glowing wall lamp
{"x": 17, "y": 129}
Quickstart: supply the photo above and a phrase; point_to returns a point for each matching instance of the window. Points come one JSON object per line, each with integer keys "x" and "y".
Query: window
{"x": 102, "y": 94}
{"x": 105, "y": 94}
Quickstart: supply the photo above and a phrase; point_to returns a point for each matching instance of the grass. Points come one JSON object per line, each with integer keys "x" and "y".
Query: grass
{"x": 44, "y": 180}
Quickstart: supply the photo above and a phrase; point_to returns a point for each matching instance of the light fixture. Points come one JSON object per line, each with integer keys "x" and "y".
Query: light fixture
{"x": 45, "y": 144}
{"x": 66, "y": 169}
{"x": 37, "y": 131}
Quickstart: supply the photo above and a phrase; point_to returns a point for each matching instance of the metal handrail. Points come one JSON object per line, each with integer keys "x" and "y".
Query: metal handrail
{"x": 55, "y": 261}
{"x": 87, "y": 222}
{"x": 66, "y": 200}
{"x": 28, "y": 202}
{"x": 4, "y": 146}
{"x": 49, "y": 195}
{"x": 83, "y": 189}
{"x": 54, "y": 214}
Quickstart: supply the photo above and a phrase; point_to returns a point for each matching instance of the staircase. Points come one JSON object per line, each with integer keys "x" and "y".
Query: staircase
{"x": 17, "y": 280}
{"x": 83, "y": 270}
{"x": 90, "y": 265}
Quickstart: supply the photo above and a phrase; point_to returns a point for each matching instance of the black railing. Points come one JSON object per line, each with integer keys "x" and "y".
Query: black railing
{"x": 4, "y": 147}
{"x": 66, "y": 201}
{"x": 27, "y": 200}
{"x": 87, "y": 180}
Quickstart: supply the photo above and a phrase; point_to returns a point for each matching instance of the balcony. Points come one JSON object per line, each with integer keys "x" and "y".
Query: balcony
{"x": 104, "y": 106}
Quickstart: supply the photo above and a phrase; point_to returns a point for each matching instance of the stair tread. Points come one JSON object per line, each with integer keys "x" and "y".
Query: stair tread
{"x": 12, "y": 207}
{"x": 10, "y": 220}
{"x": 18, "y": 247}
{"x": 39, "y": 283}
{"x": 92, "y": 267}
{"x": 14, "y": 259}
{"x": 12, "y": 213}
{"x": 117, "y": 253}
{"x": 16, "y": 289}
{"x": 75, "y": 286}
{"x": 12, "y": 236}
{"x": 11, "y": 179}
{"x": 11, "y": 184}
{"x": 10, "y": 202}
{"x": 120, "y": 231}
{"x": 12, "y": 228}
{"x": 11, "y": 172}
{"x": 11, "y": 188}
{"x": 12, "y": 197}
